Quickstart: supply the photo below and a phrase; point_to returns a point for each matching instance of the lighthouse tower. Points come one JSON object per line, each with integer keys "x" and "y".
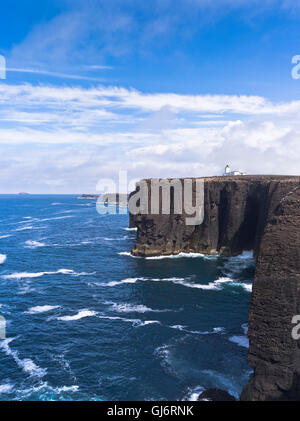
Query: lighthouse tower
{"x": 227, "y": 170}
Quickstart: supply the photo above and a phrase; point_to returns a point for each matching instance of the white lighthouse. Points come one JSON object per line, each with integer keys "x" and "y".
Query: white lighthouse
{"x": 229, "y": 172}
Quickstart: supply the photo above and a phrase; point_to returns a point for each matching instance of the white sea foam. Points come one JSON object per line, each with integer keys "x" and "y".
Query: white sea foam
{"x": 41, "y": 309}
{"x": 245, "y": 328}
{"x": 185, "y": 255}
{"x": 34, "y": 220}
{"x": 240, "y": 341}
{"x": 45, "y": 387}
{"x": 24, "y": 228}
{"x": 82, "y": 314}
{"x": 164, "y": 354}
{"x": 193, "y": 393}
{"x": 67, "y": 389}
{"x": 26, "y": 364}
{"x": 245, "y": 255}
{"x": 216, "y": 285}
{"x": 25, "y": 289}
{"x": 179, "y": 327}
{"x": 130, "y": 308}
{"x": 248, "y": 287}
{"x": 134, "y": 322}
{"x": 130, "y": 229}
{"x": 116, "y": 238}
{"x": 6, "y": 388}
{"x": 150, "y": 322}
{"x": 171, "y": 256}
{"x": 235, "y": 265}
{"x": 219, "y": 330}
{"x": 4, "y": 236}
{"x": 34, "y": 244}
{"x": 2, "y": 258}
{"x": 56, "y": 218}
{"x": 128, "y": 254}
{"x": 216, "y": 330}
{"x": 124, "y": 281}
{"x": 25, "y": 275}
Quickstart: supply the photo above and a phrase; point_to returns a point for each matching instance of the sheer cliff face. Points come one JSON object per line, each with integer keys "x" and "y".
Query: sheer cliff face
{"x": 273, "y": 353}
{"x": 260, "y": 213}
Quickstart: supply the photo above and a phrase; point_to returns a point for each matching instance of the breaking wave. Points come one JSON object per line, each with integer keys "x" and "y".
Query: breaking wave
{"x": 25, "y": 275}
{"x": 215, "y": 330}
{"x": 171, "y": 256}
{"x": 240, "y": 341}
{"x": 3, "y": 258}
{"x": 24, "y": 228}
{"x": 41, "y": 309}
{"x": 26, "y": 364}
{"x": 81, "y": 315}
{"x": 216, "y": 285}
{"x": 6, "y": 388}
{"x": 130, "y": 308}
{"x": 134, "y": 322}
{"x": 116, "y": 238}
{"x": 39, "y": 274}
{"x": 34, "y": 244}
{"x": 45, "y": 391}
{"x": 192, "y": 394}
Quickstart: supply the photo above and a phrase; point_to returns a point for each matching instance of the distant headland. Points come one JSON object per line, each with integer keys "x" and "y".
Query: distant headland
{"x": 108, "y": 198}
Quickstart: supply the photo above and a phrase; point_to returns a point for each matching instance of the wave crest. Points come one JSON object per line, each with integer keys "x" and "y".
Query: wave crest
{"x": 80, "y": 315}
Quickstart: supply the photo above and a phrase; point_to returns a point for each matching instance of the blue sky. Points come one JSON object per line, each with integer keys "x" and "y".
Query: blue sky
{"x": 158, "y": 88}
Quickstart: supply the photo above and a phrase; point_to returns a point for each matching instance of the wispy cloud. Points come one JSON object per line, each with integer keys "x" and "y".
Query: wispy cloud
{"x": 61, "y": 138}
{"x": 98, "y": 67}
{"x": 78, "y": 135}
{"x": 56, "y": 74}
{"x": 86, "y": 30}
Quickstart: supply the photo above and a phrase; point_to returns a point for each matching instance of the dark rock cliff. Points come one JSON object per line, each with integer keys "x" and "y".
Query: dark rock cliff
{"x": 260, "y": 213}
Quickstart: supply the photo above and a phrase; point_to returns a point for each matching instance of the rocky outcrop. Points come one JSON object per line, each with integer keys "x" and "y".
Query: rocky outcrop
{"x": 216, "y": 395}
{"x": 260, "y": 213}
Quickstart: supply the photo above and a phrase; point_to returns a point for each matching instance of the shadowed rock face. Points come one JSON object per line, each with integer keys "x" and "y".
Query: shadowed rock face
{"x": 260, "y": 213}
{"x": 273, "y": 353}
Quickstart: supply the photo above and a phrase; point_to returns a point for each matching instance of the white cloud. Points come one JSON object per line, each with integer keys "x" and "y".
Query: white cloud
{"x": 56, "y": 74}
{"x": 61, "y": 139}
{"x": 85, "y": 30}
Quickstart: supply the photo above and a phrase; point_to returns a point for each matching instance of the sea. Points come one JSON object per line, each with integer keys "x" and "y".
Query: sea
{"x": 81, "y": 319}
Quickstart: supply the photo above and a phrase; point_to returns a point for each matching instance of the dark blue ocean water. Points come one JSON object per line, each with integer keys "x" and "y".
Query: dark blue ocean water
{"x": 85, "y": 322}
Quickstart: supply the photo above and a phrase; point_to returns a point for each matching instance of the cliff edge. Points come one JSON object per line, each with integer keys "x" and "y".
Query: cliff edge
{"x": 259, "y": 213}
